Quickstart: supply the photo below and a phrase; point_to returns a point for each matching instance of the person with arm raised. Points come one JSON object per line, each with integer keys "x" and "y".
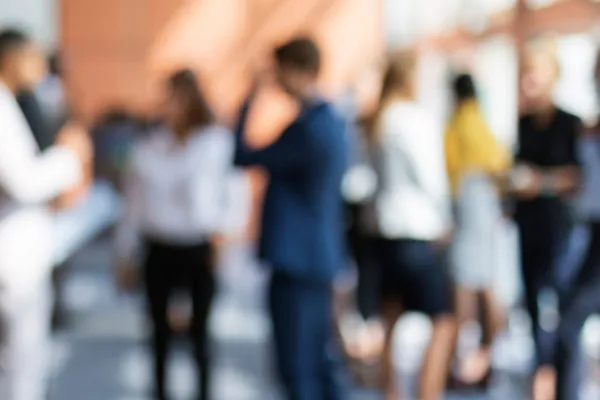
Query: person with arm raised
{"x": 302, "y": 237}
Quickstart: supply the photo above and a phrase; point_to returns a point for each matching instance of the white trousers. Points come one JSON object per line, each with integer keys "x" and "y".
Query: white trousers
{"x": 26, "y": 245}
{"x": 25, "y": 360}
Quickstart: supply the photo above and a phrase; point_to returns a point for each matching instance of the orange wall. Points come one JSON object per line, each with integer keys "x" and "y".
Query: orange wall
{"x": 117, "y": 52}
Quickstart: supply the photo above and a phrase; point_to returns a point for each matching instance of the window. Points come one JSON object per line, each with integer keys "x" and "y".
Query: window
{"x": 576, "y": 88}
{"x": 497, "y": 78}
{"x": 540, "y": 3}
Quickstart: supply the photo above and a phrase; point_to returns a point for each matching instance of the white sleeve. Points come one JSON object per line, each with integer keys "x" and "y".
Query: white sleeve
{"x": 127, "y": 234}
{"x": 431, "y": 168}
{"x": 30, "y": 178}
{"x": 238, "y": 204}
{"x": 211, "y": 185}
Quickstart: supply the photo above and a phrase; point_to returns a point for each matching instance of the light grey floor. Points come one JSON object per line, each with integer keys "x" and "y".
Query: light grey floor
{"x": 103, "y": 357}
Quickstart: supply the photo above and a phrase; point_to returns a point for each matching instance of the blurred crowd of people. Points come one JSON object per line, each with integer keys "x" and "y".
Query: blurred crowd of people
{"x": 419, "y": 222}
{"x": 425, "y": 235}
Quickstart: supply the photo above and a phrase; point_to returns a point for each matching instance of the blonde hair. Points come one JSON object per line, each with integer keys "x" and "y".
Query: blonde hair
{"x": 398, "y": 81}
{"x": 545, "y": 47}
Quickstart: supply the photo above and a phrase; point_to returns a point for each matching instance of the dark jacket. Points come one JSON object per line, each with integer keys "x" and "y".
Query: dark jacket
{"x": 38, "y": 123}
{"x": 303, "y": 217}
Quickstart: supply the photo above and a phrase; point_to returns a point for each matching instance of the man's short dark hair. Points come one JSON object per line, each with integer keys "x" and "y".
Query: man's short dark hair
{"x": 54, "y": 64}
{"x": 464, "y": 87}
{"x": 300, "y": 53}
{"x": 10, "y": 41}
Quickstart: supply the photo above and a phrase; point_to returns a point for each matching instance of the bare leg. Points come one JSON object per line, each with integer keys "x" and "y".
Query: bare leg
{"x": 544, "y": 383}
{"x": 438, "y": 358}
{"x": 494, "y": 319}
{"x": 476, "y": 367}
{"x": 465, "y": 304}
{"x": 391, "y": 313}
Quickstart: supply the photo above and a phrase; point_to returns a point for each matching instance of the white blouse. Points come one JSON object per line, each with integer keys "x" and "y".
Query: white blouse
{"x": 176, "y": 192}
{"x": 412, "y": 198}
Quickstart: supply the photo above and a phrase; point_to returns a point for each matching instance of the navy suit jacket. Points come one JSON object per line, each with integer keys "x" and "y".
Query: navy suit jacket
{"x": 303, "y": 217}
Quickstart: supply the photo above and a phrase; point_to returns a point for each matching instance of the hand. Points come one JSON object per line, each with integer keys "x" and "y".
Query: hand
{"x": 126, "y": 275}
{"x": 501, "y": 181}
{"x": 263, "y": 75}
{"x": 445, "y": 241}
{"x": 74, "y": 137}
{"x": 525, "y": 182}
{"x": 217, "y": 243}
{"x": 565, "y": 180}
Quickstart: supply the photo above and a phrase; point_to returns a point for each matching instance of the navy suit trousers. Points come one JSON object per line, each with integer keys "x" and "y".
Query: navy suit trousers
{"x": 306, "y": 355}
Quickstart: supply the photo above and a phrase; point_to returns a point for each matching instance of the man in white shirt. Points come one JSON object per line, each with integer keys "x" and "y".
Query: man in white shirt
{"x": 29, "y": 179}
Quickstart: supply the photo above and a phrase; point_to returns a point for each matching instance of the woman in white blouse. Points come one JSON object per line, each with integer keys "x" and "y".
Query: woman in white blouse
{"x": 174, "y": 214}
{"x": 410, "y": 215}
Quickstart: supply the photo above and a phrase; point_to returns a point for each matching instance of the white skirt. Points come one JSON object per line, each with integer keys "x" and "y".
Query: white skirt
{"x": 473, "y": 253}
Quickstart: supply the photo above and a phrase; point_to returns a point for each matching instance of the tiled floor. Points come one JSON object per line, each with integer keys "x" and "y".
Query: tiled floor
{"x": 103, "y": 357}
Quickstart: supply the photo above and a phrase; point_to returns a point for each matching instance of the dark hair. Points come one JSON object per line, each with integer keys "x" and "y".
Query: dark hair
{"x": 10, "y": 41}
{"x": 55, "y": 64}
{"x": 198, "y": 113}
{"x": 464, "y": 87}
{"x": 300, "y": 53}
{"x": 114, "y": 115}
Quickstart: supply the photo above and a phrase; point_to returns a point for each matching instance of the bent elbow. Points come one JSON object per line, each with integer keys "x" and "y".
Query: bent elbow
{"x": 22, "y": 193}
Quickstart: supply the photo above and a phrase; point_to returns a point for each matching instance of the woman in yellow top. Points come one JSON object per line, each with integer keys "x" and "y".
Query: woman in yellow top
{"x": 474, "y": 158}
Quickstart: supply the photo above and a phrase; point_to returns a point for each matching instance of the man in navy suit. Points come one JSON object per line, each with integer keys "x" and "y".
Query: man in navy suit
{"x": 302, "y": 227}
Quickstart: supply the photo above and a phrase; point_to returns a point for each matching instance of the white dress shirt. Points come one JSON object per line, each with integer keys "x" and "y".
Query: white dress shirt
{"x": 28, "y": 180}
{"x": 412, "y": 198}
{"x": 176, "y": 192}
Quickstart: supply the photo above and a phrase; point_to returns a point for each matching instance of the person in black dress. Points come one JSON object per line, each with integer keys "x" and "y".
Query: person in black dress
{"x": 545, "y": 177}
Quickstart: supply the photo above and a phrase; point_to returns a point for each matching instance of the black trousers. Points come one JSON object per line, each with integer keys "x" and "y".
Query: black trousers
{"x": 168, "y": 268}
{"x": 363, "y": 249}
{"x": 543, "y": 245}
{"x": 583, "y": 301}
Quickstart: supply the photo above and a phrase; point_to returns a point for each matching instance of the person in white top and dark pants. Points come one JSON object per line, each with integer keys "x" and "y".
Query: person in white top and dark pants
{"x": 29, "y": 180}
{"x": 175, "y": 213}
{"x": 410, "y": 215}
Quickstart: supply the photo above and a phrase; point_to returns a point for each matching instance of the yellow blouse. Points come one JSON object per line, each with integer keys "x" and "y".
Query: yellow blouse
{"x": 471, "y": 146}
